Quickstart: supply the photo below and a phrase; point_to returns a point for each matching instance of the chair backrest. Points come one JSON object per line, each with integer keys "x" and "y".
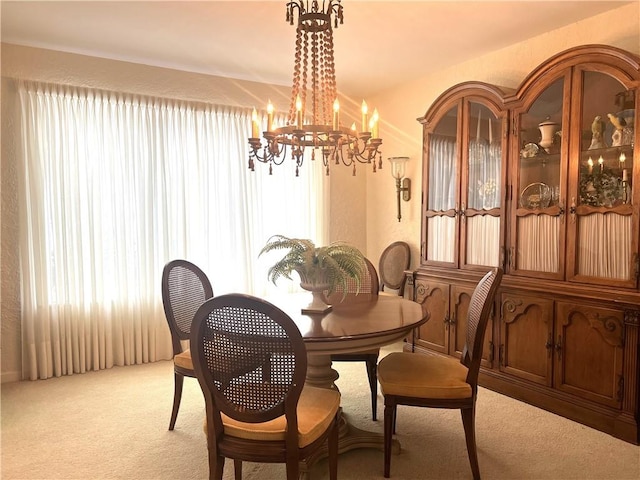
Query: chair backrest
{"x": 369, "y": 285}
{"x": 477, "y": 317}
{"x": 395, "y": 259}
{"x": 184, "y": 288}
{"x": 231, "y": 336}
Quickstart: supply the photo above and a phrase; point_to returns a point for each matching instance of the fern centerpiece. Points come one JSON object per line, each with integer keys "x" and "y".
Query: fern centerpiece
{"x": 321, "y": 269}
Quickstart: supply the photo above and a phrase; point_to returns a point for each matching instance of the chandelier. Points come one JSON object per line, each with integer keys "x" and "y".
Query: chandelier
{"x": 325, "y": 136}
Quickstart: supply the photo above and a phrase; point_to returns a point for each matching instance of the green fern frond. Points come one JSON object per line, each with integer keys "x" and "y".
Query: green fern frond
{"x": 338, "y": 261}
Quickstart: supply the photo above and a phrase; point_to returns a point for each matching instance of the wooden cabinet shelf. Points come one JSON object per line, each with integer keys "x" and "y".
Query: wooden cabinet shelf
{"x": 541, "y": 181}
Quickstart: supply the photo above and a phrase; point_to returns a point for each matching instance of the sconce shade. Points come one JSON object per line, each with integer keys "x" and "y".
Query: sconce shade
{"x": 397, "y": 166}
{"x": 403, "y": 187}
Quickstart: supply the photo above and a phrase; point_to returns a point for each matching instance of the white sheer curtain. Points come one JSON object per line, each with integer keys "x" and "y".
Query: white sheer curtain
{"x": 116, "y": 185}
{"x": 443, "y": 161}
{"x": 485, "y": 162}
{"x": 483, "y": 240}
{"x": 538, "y": 241}
{"x": 604, "y": 248}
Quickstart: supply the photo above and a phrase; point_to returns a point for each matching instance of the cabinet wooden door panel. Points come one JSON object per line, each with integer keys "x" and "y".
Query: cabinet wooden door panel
{"x": 589, "y": 352}
{"x": 435, "y": 298}
{"x": 460, "y": 300}
{"x": 526, "y": 338}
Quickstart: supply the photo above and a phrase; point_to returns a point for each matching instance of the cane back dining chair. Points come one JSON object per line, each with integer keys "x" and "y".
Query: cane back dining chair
{"x": 253, "y": 414}
{"x": 184, "y": 288}
{"x": 437, "y": 381}
{"x": 369, "y": 285}
{"x": 394, "y": 260}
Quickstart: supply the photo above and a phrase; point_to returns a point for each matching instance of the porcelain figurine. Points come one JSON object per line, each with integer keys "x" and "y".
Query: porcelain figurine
{"x": 623, "y": 133}
{"x": 597, "y": 129}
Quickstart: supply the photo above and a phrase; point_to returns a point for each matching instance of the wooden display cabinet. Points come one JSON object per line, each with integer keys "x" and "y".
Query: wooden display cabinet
{"x": 540, "y": 180}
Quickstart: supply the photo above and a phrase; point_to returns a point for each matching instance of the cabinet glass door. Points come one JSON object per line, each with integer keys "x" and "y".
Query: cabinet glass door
{"x": 601, "y": 223}
{"x": 483, "y": 178}
{"x": 538, "y": 209}
{"x": 441, "y": 207}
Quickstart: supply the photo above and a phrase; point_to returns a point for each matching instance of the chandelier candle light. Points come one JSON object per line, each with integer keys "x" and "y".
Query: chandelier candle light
{"x": 333, "y": 142}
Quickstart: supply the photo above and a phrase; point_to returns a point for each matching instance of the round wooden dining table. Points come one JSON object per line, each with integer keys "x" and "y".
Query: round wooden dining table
{"x": 359, "y": 323}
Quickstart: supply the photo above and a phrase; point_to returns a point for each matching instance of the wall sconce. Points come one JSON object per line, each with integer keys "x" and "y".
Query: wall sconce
{"x": 403, "y": 185}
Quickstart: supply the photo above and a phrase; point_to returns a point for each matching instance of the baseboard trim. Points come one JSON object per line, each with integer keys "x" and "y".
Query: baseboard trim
{"x": 7, "y": 377}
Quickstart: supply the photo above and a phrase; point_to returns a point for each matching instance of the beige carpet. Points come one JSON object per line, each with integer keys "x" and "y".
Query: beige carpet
{"x": 113, "y": 425}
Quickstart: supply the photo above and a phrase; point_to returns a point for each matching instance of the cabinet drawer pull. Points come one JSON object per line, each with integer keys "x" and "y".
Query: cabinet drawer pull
{"x": 559, "y": 347}
{"x": 549, "y": 345}
{"x": 572, "y": 209}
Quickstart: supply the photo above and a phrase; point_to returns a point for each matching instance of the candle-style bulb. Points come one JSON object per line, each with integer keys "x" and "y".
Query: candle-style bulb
{"x": 298, "y": 113}
{"x": 365, "y": 116}
{"x": 336, "y": 115}
{"x": 255, "y": 127}
{"x": 375, "y": 126}
{"x": 269, "y": 116}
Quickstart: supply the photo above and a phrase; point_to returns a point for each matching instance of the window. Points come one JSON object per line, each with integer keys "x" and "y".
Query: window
{"x": 116, "y": 185}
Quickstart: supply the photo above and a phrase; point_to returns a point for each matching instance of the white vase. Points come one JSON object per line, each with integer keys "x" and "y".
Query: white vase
{"x": 547, "y": 131}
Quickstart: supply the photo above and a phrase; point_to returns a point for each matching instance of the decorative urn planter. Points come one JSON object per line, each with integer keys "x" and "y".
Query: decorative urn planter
{"x": 317, "y": 286}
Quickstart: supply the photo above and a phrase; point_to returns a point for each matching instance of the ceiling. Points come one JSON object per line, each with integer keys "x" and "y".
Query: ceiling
{"x": 381, "y": 43}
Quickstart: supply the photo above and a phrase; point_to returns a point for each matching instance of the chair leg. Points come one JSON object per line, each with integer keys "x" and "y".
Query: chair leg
{"x": 293, "y": 470}
{"x": 395, "y": 416}
{"x": 237, "y": 469}
{"x": 372, "y": 372}
{"x": 177, "y": 396}
{"x": 388, "y": 434}
{"x": 468, "y": 420}
{"x": 216, "y": 466}
{"x": 333, "y": 451}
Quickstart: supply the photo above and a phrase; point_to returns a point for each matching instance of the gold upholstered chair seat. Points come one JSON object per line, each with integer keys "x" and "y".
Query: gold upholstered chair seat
{"x": 184, "y": 360}
{"x": 316, "y": 410}
{"x": 427, "y": 376}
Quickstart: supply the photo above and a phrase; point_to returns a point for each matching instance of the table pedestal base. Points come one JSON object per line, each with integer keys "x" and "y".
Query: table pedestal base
{"x": 350, "y": 438}
{"x": 320, "y": 374}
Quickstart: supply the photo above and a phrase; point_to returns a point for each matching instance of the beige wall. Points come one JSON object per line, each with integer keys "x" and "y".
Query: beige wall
{"x": 362, "y": 208}
{"x": 399, "y": 109}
